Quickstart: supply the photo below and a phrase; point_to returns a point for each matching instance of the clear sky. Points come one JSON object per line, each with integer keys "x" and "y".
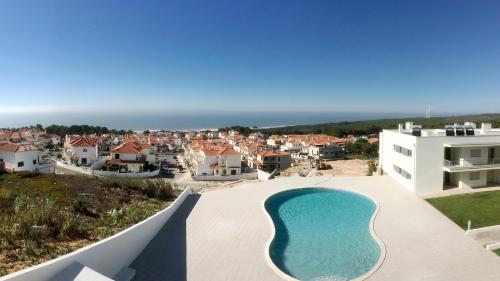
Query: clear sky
{"x": 331, "y": 55}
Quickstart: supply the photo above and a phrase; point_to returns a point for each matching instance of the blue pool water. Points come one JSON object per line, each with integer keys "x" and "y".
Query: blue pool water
{"x": 322, "y": 234}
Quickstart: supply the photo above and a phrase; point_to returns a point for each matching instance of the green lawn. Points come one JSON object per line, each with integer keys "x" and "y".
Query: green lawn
{"x": 497, "y": 252}
{"x": 482, "y": 208}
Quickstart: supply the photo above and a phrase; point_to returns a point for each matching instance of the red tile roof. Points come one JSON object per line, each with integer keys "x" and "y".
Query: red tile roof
{"x": 83, "y": 142}
{"x": 128, "y": 147}
{"x": 16, "y": 147}
{"x": 225, "y": 150}
{"x": 272, "y": 153}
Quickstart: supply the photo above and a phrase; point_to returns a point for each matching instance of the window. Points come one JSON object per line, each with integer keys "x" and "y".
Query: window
{"x": 117, "y": 156}
{"x": 84, "y": 150}
{"x": 233, "y": 172}
{"x": 474, "y": 176}
{"x": 34, "y": 161}
{"x": 402, "y": 150}
{"x": 20, "y": 164}
{"x": 402, "y": 172}
{"x": 474, "y": 153}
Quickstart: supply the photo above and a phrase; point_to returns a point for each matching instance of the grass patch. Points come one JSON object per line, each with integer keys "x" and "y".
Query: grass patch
{"x": 482, "y": 208}
{"x": 45, "y": 216}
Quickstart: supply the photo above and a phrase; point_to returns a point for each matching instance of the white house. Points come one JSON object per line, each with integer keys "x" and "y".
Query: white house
{"x": 81, "y": 150}
{"x": 218, "y": 162}
{"x": 428, "y": 161}
{"x": 23, "y": 157}
{"x": 291, "y": 145}
{"x": 132, "y": 156}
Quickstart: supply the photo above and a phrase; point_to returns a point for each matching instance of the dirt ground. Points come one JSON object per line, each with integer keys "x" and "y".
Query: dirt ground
{"x": 353, "y": 167}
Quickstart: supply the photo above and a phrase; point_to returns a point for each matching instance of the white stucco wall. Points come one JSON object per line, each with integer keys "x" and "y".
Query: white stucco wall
{"x": 91, "y": 153}
{"x": 12, "y": 159}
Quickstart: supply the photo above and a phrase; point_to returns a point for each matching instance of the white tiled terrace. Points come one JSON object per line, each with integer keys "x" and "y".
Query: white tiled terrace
{"x": 222, "y": 235}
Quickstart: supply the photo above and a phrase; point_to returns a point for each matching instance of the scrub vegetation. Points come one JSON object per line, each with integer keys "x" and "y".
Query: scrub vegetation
{"x": 45, "y": 216}
{"x": 482, "y": 208}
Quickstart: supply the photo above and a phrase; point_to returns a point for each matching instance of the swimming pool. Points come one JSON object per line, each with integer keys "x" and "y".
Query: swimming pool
{"x": 322, "y": 234}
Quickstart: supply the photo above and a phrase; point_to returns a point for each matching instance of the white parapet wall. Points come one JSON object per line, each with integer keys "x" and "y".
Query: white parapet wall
{"x": 107, "y": 256}
{"x": 126, "y": 175}
{"x": 244, "y": 176}
{"x": 83, "y": 170}
{"x": 476, "y": 231}
{"x": 493, "y": 246}
{"x": 93, "y": 170}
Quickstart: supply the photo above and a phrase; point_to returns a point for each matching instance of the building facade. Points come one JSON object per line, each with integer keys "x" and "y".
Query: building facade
{"x": 427, "y": 161}
{"x": 268, "y": 160}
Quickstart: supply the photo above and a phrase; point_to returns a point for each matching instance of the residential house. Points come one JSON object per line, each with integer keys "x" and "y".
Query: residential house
{"x": 326, "y": 151}
{"x": 23, "y": 157}
{"x": 269, "y": 160}
{"x": 222, "y": 161}
{"x": 132, "y": 157}
{"x": 81, "y": 150}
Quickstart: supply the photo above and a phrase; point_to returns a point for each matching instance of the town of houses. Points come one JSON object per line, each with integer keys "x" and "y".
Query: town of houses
{"x": 209, "y": 155}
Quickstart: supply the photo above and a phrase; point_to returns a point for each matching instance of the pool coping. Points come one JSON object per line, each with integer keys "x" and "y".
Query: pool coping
{"x": 373, "y": 233}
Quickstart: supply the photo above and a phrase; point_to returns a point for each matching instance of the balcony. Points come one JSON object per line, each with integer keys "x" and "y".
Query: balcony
{"x": 465, "y": 166}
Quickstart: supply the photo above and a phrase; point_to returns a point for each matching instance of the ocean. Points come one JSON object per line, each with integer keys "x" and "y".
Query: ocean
{"x": 186, "y": 120}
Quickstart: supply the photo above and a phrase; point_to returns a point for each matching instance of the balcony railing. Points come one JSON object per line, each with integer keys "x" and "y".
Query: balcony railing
{"x": 471, "y": 165}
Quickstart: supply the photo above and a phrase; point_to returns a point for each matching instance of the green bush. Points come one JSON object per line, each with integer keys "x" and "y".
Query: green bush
{"x": 36, "y": 217}
{"x": 159, "y": 189}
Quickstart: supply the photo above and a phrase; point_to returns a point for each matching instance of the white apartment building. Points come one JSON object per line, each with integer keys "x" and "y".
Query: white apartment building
{"x": 428, "y": 161}
{"x": 328, "y": 151}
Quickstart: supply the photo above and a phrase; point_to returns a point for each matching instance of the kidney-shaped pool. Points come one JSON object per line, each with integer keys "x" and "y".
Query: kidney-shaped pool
{"x": 322, "y": 234}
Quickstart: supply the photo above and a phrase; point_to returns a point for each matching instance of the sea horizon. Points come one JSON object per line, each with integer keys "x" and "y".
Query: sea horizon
{"x": 188, "y": 121}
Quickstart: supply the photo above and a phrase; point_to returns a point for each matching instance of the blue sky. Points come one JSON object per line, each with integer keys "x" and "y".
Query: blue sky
{"x": 339, "y": 56}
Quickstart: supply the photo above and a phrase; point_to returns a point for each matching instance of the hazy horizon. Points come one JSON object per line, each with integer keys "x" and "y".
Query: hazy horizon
{"x": 196, "y": 121}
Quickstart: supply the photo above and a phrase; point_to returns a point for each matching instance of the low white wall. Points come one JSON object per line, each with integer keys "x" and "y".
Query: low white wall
{"x": 107, "y": 256}
{"x": 97, "y": 165}
{"x": 90, "y": 171}
{"x": 493, "y": 247}
{"x": 126, "y": 175}
{"x": 477, "y": 231}
{"x": 265, "y": 176}
{"x": 83, "y": 170}
{"x": 244, "y": 176}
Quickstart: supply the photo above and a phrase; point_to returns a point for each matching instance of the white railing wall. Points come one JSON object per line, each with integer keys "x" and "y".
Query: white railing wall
{"x": 126, "y": 175}
{"x": 90, "y": 171}
{"x": 244, "y": 176}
